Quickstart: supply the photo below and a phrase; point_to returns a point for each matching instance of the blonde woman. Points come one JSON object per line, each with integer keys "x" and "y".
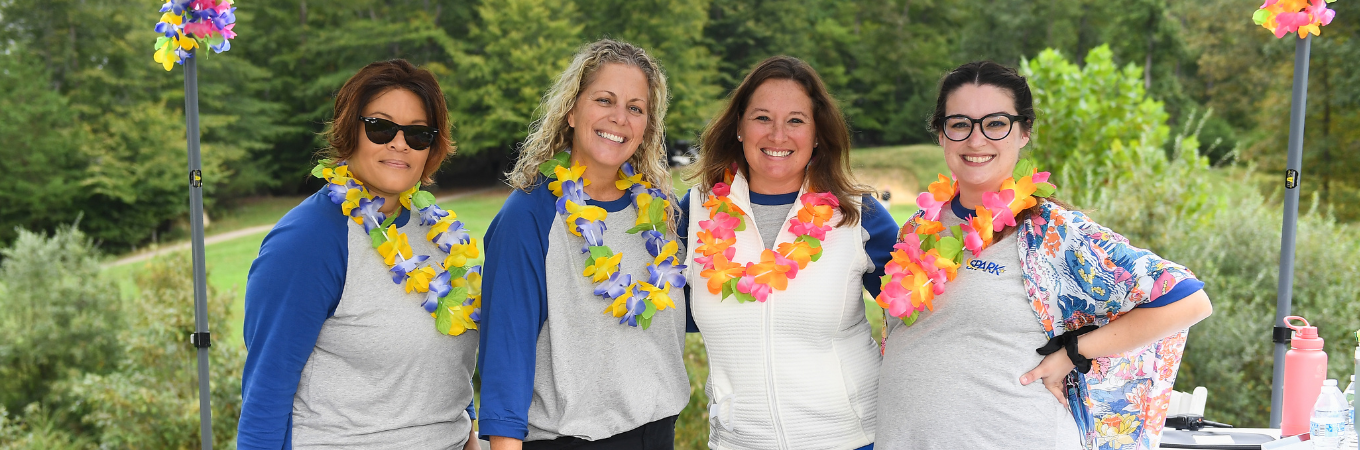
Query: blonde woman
{"x": 583, "y": 314}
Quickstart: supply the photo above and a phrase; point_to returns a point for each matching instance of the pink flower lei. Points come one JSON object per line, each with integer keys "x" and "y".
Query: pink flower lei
{"x": 923, "y": 261}
{"x": 755, "y": 281}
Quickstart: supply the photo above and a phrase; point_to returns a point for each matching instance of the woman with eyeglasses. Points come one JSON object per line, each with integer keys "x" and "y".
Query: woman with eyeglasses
{"x": 1013, "y": 320}
{"x": 584, "y": 324}
{"x": 352, "y": 346}
{"x": 785, "y": 243}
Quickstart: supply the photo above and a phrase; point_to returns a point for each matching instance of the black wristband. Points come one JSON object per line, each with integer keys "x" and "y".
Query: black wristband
{"x": 1068, "y": 341}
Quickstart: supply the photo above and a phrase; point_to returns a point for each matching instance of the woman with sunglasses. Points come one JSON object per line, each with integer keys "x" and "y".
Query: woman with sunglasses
{"x": 785, "y": 243}
{"x": 1023, "y": 323}
{"x": 584, "y": 322}
{"x": 348, "y": 347}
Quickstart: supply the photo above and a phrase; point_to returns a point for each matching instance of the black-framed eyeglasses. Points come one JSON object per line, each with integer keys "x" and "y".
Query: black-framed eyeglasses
{"x": 995, "y": 126}
{"x": 382, "y": 131}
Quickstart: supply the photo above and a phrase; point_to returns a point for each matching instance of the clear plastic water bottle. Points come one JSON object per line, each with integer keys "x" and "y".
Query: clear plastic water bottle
{"x": 1329, "y": 417}
{"x": 1348, "y": 438}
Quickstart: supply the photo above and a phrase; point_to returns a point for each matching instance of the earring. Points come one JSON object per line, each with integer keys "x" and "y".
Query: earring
{"x": 738, "y": 138}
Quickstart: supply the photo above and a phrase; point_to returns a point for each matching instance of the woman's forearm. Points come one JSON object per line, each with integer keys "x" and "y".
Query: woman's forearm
{"x": 505, "y": 443}
{"x": 1142, "y": 326}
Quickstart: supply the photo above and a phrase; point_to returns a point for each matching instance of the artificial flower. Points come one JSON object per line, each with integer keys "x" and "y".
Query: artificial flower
{"x": 629, "y": 178}
{"x": 419, "y": 280}
{"x": 772, "y": 272}
{"x": 439, "y": 286}
{"x": 798, "y": 251}
{"x": 926, "y": 201}
{"x": 817, "y": 207}
{"x": 720, "y": 271}
{"x": 943, "y": 189}
{"x": 592, "y": 231}
{"x": 573, "y": 191}
{"x": 600, "y": 269}
{"x": 748, "y": 285}
{"x": 666, "y": 273}
{"x": 615, "y": 286}
{"x": 460, "y": 254}
{"x": 999, "y": 204}
{"x": 367, "y": 214}
{"x": 564, "y": 174}
{"x": 401, "y": 270}
{"x": 659, "y": 296}
{"x": 395, "y": 246}
{"x": 800, "y": 228}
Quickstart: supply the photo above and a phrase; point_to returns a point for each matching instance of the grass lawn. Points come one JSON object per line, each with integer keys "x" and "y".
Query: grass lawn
{"x": 903, "y": 171}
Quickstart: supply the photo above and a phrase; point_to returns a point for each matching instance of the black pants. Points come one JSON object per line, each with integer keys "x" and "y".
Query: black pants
{"x": 658, "y": 435}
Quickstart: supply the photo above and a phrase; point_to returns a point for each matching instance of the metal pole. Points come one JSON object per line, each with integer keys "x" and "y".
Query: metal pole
{"x": 200, "y": 338}
{"x": 1285, "y": 290}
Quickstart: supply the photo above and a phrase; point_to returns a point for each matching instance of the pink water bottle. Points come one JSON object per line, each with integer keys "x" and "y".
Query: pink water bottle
{"x": 1305, "y": 366}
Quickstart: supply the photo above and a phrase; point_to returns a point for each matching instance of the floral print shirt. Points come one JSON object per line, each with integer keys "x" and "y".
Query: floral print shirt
{"x": 1078, "y": 273}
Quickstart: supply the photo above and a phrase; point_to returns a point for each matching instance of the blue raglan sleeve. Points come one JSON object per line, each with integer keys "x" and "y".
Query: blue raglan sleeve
{"x": 514, "y": 308}
{"x": 882, "y": 231}
{"x": 293, "y": 286}
{"x": 682, "y": 233}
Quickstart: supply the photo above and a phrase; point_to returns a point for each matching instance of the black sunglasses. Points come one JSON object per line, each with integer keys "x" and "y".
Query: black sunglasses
{"x": 382, "y": 131}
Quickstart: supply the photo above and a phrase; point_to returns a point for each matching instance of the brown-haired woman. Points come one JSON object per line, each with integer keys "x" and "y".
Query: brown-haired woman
{"x": 785, "y": 241}
{"x": 962, "y": 370}
{"x": 340, "y": 353}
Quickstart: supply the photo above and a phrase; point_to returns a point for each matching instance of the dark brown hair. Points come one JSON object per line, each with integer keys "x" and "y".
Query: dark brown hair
{"x": 344, "y": 130}
{"x": 829, "y": 169}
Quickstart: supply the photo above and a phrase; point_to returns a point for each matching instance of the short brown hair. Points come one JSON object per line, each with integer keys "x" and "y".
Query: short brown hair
{"x": 829, "y": 169}
{"x": 343, "y": 131}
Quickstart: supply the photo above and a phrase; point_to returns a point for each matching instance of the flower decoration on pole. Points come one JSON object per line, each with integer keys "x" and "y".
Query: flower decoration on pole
{"x": 1286, "y": 16}
{"x": 189, "y": 24}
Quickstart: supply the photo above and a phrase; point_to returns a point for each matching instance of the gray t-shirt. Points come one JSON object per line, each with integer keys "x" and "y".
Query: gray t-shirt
{"x": 771, "y": 218}
{"x": 952, "y": 379}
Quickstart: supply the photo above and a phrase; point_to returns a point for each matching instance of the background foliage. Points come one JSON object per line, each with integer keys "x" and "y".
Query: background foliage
{"x": 1163, "y": 119}
{"x": 112, "y": 140}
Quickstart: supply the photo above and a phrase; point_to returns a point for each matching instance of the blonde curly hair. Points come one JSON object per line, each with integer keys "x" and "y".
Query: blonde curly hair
{"x": 550, "y": 133}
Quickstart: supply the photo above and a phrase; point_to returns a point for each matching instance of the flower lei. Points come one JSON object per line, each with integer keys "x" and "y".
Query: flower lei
{"x": 755, "y": 281}
{"x": 189, "y": 24}
{"x": 453, "y": 290}
{"x": 923, "y": 261}
{"x": 1285, "y": 16}
{"x": 633, "y": 302}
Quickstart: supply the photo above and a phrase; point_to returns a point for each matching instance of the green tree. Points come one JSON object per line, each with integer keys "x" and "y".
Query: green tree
{"x": 41, "y": 152}
{"x": 513, "y": 52}
{"x": 672, "y": 32}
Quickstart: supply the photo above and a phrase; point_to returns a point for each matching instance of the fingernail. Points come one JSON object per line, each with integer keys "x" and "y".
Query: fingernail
{"x": 1024, "y": 380}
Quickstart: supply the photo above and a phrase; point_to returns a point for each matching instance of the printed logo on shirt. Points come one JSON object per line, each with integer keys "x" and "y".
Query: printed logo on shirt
{"x": 986, "y": 266}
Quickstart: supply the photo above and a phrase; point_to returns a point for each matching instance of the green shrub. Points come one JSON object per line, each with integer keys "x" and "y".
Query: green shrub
{"x": 59, "y": 317}
{"x": 151, "y": 400}
{"x": 37, "y": 430}
{"x": 1105, "y": 143}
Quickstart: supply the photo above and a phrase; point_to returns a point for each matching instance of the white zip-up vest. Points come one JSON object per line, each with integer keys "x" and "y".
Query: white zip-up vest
{"x": 800, "y": 370}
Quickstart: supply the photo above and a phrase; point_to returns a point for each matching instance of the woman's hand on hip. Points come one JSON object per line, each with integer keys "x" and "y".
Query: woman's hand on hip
{"x": 1052, "y": 371}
